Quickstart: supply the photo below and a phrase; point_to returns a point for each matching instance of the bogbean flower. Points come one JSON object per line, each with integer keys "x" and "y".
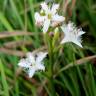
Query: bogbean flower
{"x": 33, "y": 63}
{"x": 48, "y": 16}
{"x": 72, "y": 34}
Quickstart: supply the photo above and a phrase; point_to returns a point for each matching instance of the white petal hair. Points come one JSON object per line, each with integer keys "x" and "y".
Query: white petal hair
{"x": 72, "y": 33}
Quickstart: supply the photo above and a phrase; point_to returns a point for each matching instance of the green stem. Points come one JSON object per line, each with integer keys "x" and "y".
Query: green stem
{"x": 58, "y": 48}
{"x": 51, "y": 58}
{"x": 51, "y": 62}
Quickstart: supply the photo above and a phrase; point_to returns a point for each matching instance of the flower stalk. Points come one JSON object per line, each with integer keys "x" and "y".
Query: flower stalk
{"x": 51, "y": 64}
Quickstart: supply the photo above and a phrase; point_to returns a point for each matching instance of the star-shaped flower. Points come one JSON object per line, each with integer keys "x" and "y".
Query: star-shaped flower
{"x": 33, "y": 63}
{"x": 48, "y": 16}
{"x": 72, "y": 34}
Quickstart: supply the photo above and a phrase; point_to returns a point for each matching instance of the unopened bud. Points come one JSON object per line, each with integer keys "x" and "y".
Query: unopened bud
{"x": 51, "y": 34}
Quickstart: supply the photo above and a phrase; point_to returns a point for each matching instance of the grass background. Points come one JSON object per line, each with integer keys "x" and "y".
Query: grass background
{"x": 18, "y": 34}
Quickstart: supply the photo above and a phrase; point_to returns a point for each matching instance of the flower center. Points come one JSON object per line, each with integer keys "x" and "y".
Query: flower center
{"x": 49, "y": 16}
{"x": 42, "y": 13}
{"x": 32, "y": 64}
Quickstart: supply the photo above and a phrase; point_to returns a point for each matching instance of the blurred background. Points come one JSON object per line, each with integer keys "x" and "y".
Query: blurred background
{"x": 18, "y": 35}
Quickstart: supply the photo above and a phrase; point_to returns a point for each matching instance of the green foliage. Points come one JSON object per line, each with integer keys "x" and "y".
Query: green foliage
{"x": 76, "y": 81}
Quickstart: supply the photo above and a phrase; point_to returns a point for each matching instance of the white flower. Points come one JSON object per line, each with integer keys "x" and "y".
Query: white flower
{"x": 48, "y": 16}
{"x": 72, "y": 34}
{"x": 33, "y": 63}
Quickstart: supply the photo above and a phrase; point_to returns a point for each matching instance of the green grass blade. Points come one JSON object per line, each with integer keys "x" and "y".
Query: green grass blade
{"x": 4, "y": 82}
{"x": 5, "y": 22}
{"x": 15, "y": 11}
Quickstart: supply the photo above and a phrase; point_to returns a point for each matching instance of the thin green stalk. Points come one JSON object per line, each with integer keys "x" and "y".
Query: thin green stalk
{"x": 82, "y": 81}
{"x": 4, "y": 82}
{"x": 91, "y": 80}
{"x": 65, "y": 81}
{"x": 51, "y": 57}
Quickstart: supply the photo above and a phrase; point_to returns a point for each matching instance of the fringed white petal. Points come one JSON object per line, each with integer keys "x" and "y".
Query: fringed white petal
{"x": 45, "y": 7}
{"x": 31, "y": 72}
{"x": 41, "y": 67}
{"x": 46, "y": 25}
{"x": 54, "y": 8}
{"x": 24, "y": 63}
{"x": 41, "y": 56}
{"x": 58, "y": 18}
{"x": 72, "y": 34}
{"x": 31, "y": 57}
{"x": 78, "y": 43}
{"x": 39, "y": 19}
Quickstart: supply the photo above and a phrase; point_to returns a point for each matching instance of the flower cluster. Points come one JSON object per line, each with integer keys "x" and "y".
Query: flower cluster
{"x": 48, "y": 18}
